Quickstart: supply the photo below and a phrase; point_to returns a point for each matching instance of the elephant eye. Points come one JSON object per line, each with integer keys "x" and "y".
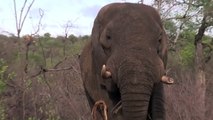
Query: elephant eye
{"x": 106, "y": 41}
{"x": 106, "y": 44}
{"x": 159, "y": 46}
{"x": 108, "y": 37}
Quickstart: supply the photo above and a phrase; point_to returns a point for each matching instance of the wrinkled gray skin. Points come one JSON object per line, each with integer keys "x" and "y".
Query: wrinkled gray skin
{"x": 130, "y": 40}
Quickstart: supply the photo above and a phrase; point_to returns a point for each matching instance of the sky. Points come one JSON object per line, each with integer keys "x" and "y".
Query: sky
{"x": 57, "y": 13}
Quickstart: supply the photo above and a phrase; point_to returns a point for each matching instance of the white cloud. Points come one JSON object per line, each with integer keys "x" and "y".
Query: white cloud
{"x": 56, "y": 13}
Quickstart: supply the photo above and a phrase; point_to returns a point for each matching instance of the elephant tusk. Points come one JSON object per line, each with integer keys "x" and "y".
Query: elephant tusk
{"x": 167, "y": 80}
{"x": 105, "y": 73}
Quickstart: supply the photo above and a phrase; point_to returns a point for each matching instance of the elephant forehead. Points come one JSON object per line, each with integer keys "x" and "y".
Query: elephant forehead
{"x": 130, "y": 31}
{"x": 127, "y": 15}
{"x": 130, "y": 37}
{"x": 128, "y": 24}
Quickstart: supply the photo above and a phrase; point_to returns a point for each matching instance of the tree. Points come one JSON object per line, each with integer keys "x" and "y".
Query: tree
{"x": 47, "y": 35}
{"x": 194, "y": 15}
{"x": 67, "y": 27}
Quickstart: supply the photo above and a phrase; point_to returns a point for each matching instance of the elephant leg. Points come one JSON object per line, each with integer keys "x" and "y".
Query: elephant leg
{"x": 156, "y": 105}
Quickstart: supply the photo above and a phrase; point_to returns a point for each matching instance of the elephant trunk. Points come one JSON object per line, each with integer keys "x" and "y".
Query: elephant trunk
{"x": 135, "y": 103}
{"x": 135, "y": 86}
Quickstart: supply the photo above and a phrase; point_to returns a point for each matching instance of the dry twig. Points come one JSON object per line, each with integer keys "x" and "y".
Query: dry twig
{"x": 117, "y": 108}
{"x": 102, "y": 105}
{"x": 44, "y": 70}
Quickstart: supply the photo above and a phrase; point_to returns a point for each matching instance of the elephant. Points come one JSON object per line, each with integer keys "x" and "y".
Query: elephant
{"x": 125, "y": 61}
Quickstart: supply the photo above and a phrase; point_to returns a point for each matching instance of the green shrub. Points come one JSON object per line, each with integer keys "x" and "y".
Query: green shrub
{"x": 187, "y": 55}
{"x": 4, "y": 76}
{"x": 3, "y": 69}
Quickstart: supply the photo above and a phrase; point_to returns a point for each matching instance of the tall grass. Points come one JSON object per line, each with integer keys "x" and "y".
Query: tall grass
{"x": 183, "y": 99}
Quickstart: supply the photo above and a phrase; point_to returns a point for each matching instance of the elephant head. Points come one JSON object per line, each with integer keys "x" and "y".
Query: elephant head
{"x": 125, "y": 61}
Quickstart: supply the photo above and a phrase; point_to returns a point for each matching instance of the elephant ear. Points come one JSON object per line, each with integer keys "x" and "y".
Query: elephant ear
{"x": 162, "y": 48}
{"x": 91, "y": 60}
{"x": 89, "y": 77}
{"x": 98, "y": 54}
{"x": 86, "y": 69}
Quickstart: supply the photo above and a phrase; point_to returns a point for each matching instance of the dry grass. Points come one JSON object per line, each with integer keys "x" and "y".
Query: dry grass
{"x": 184, "y": 100}
{"x": 54, "y": 95}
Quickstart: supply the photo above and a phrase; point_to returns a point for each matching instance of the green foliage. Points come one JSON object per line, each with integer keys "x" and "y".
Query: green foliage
{"x": 208, "y": 47}
{"x": 36, "y": 58}
{"x": 76, "y": 48}
{"x": 185, "y": 48}
{"x": 72, "y": 38}
{"x": 47, "y": 35}
{"x": 187, "y": 55}
{"x": 2, "y": 111}
{"x": 3, "y": 69}
{"x": 4, "y": 76}
{"x": 170, "y": 26}
{"x": 187, "y": 36}
{"x": 49, "y": 51}
{"x": 46, "y": 51}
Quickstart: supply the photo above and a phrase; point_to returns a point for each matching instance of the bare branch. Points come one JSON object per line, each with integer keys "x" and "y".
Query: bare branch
{"x": 14, "y": 2}
{"x": 41, "y": 13}
{"x": 26, "y": 13}
{"x": 44, "y": 70}
{"x": 67, "y": 28}
{"x": 190, "y": 3}
{"x": 117, "y": 107}
{"x": 20, "y": 22}
{"x": 185, "y": 19}
{"x": 22, "y": 10}
{"x": 140, "y": 2}
{"x": 59, "y": 63}
{"x": 59, "y": 69}
{"x": 169, "y": 10}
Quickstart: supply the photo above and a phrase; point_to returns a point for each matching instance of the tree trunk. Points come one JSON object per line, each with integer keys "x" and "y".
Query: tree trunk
{"x": 200, "y": 69}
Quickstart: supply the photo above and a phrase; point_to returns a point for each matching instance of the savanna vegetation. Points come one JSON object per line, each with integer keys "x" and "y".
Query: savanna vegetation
{"x": 40, "y": 76}
{"x": 41, "y": 79}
